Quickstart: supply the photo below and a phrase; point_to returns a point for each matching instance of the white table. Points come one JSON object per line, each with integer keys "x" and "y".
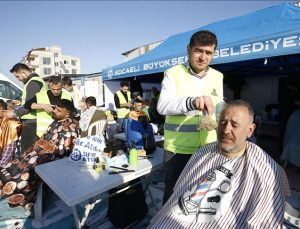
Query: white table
{"x": 74, "y": 184}
{"x": 121, "y": 136}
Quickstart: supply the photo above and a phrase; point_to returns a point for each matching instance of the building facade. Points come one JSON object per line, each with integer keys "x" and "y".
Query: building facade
{"x": 51, "y": 61}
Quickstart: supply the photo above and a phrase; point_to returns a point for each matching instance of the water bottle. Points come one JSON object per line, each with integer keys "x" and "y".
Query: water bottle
{"x": 133, "y": 156}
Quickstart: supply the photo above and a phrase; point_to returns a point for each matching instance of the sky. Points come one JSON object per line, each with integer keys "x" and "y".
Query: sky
{"x": 98, "y": 32}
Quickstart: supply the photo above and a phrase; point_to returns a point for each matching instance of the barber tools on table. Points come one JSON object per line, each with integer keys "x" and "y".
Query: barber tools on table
{"x": 120, "y": 170}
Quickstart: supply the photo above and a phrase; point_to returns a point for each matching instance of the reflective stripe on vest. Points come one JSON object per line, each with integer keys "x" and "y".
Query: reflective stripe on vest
{"x": 122, "y": 112}
{"x": 180, "y": 131}
{"x": 44, "y": 119}
{"x": 32, "y": 114}
{"x": 181, "y": 128}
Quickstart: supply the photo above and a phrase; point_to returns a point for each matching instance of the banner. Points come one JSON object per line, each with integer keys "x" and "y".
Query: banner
{"x": 87, "y": 149}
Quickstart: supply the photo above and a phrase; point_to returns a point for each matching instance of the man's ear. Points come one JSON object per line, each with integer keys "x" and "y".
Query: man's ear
{"x": 251, "y": 129}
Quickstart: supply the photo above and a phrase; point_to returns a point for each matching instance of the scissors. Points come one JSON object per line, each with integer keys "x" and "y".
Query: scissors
{"x": 223, "y": 188}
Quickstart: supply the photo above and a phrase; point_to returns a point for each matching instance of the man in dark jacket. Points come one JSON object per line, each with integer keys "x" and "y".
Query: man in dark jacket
{"x": 33, "y": 85}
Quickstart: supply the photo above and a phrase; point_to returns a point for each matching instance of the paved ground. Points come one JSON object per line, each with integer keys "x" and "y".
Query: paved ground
{"x": 56, "y": 214}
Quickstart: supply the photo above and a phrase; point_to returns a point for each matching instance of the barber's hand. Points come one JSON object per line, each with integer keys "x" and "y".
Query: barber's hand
{"x": 47, "y": 108}
{"x": 17, "y": 102}
{"x": 204, "y": 103}
{"x": 8, "y": 114}
{"x": 129, "y": 105}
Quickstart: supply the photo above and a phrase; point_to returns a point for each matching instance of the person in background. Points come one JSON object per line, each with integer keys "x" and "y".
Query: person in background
{"x": 73, "y": 89}
{"x": 10, "y": 104}
{"x": 136, "y": 125}
{"x": 154, "y": 116}
{"x": 189, "y": 92}
{"x": 288, "y": 90}
{"x": 91, "y": 115}
{"x": 136, "y": 88}
{"x": 9, "y": 134}
{"x": 20, "y": 186}
{"x": 33, "y": 85}
{"x": 44, "y": 103}
{"x": 155, "y": 93}
{"x": 230, "y": 182}
{"x": 137, "y": 109}
{"x": 122, "y": 101}
{"x": 146, "y": 104}
{"x": 82, "y": 105}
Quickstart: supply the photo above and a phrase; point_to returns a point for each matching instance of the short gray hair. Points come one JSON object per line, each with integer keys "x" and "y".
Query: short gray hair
{"x": 241, "y": 103}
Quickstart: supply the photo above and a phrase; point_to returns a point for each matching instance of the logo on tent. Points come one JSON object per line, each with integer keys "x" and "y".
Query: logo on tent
{"x": 110, "y": 73}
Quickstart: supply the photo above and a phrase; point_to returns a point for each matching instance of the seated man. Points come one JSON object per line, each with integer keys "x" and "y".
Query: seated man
{"x": 9, "y": 134}
{"x": 231, "y": 183}
{"x": 91, "y": 115}
{"x": 137, "y": 129}
{"x": 18, "y": 181}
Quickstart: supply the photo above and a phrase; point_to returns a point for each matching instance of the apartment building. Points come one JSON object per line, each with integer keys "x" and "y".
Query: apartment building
{"x": 51, "y": 61}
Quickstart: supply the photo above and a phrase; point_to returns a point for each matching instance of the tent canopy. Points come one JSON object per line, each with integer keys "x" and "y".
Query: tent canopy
{"x": 270, "y": 32}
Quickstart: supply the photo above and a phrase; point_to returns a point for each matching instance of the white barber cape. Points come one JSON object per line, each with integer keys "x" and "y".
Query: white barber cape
{"x": 215, "y": 191}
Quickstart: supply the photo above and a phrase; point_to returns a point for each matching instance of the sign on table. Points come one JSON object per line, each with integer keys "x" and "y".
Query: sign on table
{"x": 88, "y": 149}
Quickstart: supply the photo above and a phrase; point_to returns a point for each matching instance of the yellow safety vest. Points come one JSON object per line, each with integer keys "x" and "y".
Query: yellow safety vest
{"x": 32, "y": 114}
{"x": 44, "y": 119}
{"x": 180, "y": 131}
{"x": 122, "y": 112}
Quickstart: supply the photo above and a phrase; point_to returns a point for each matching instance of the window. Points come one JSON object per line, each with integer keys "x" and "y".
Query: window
{"x": 56, "y": 64}
{"x": 2, "y": 91}
{"x": 9, "y": 91}
{"x": 47, "y": 71}
{"x": 55, "y": 54}
{"x": 73, "y": 62}
{"x": 66, "y": 62}
{"x": 74, "y": 71}
{"x": 47, "y": 60}
{"x": 66, "y": 71}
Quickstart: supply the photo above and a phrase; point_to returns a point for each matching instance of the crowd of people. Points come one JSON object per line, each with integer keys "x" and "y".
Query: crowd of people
{"x": 214, "y": 177}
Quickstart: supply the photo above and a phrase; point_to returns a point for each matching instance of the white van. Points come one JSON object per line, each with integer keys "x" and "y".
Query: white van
{"x": 8, "y": 89}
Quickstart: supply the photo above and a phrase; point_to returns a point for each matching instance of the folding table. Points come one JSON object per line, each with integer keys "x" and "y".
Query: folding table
{"x": 75, "y": 184}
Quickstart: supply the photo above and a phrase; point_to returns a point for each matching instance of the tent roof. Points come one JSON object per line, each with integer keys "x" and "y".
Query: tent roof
{"x": 273, "y": 31}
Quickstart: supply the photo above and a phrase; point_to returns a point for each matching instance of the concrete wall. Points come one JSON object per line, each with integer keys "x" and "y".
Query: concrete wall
{"x": 258, "y": 91}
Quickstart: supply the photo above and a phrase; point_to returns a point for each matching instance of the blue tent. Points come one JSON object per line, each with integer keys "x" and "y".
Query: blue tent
{"x": 267, "y": 33}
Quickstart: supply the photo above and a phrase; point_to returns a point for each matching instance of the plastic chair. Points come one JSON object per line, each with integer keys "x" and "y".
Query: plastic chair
{"x": 100, "y": 126}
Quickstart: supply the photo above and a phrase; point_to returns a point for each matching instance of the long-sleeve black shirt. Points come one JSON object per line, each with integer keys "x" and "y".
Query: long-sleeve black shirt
{"x": 117, "y": 101}
{"x": 32, "y": 88}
